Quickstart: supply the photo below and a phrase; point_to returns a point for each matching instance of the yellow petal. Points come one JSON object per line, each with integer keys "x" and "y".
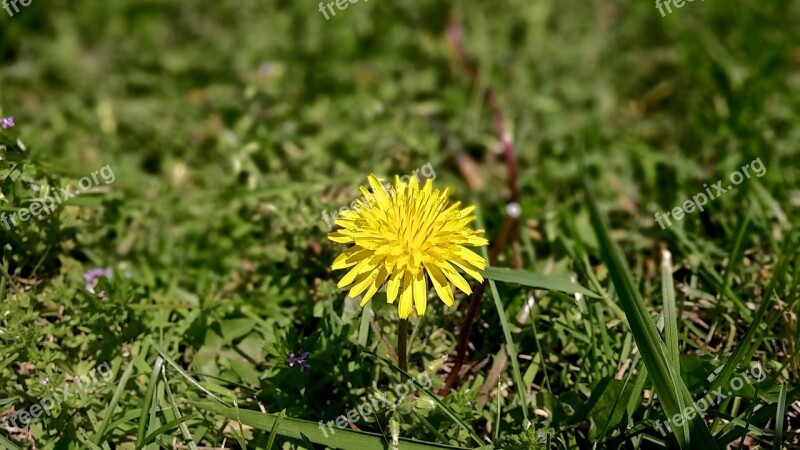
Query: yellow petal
{"x": 455, "y": 277}
{"x": 393, "y": 286}
{"x": 375, "y": 284}
{"x": 350, "y": 257}
{"x": 440, "y": 284}
{"x": 406, "y": 297}
{"x": 420, "y": 293}
{"x": 361, "y": 284}
{"x": 468, "y": 270}
{"x": 362, "y": 267}
{"x": 338, "y": 236}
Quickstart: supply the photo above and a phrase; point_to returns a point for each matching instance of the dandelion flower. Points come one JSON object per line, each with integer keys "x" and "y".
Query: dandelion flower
{"x": 406, "y": 238}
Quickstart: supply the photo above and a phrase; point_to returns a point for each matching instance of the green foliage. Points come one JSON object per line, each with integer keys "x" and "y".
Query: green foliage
{"x": 530, "y": 439}
{"x": 232, "y": 126}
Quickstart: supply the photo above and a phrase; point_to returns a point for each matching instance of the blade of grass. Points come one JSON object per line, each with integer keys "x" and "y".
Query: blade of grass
{"x": 363, "y": 326}
{"x": 109, "y": 412}
{"x": 430, "y": 427}
{"x": 511, "y": 349}
{"x": 10, "y": 445}
{"x": 295, "y": 428}
{"x": 670, "y": 309}
{"x": 187, "y": 436}
{"x": 275, "y": 426}
{"x": 525, "y": 278}
{"x": 667, "y": 382}
{"x": 749, "y": 418}
{"x": 148, "y": 399}
{"x": 169, "y": 426}
{"x": 737, "y": 251}
{"x": 240, "y": 435}
{"x": 188, "y": 377}
{"x": 779, "y": 418}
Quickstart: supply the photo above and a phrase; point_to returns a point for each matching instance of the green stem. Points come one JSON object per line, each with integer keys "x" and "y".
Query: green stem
{"x": 402, "y": 344}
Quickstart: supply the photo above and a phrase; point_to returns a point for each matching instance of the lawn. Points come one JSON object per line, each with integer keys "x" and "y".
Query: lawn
{"x": 195, "y": 253}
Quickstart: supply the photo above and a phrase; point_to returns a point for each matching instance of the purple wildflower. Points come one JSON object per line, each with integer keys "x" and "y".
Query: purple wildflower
{"x": 300, "y": 360}
{"x": 93, "y": 276}
{"x": 8, "y": 122}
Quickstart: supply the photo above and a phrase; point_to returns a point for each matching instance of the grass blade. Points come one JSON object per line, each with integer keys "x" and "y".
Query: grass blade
{"x": 511, "y": 348}
{"x": 187, "y": 436}
{"x": 548, "y": 282}
{"x": 275, "y": 427}
{"x": 670, "y": 310}
{"x": 109, "y": 413}
{"x": 169, "y": 426}
{"x": 669, "y": 386}
{"x": 10, "y": 445}
{"x": 185, "y": 375}
{"x": 296, "y": 429}
{"x": 780, "y": 414}
{"x": 148, "y": 399}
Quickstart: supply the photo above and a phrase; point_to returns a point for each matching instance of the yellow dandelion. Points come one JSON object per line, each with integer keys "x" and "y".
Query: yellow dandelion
{"x": 405, "y": 238}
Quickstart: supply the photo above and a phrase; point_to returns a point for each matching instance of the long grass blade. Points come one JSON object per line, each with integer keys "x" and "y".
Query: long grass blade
{"x": 669, "y": 386}
{"x": 779, "y": 418}
{"x": 275, "y": 426}
{"x": 148, "y": 399}
{"x": 670, "y": 309}
{"x": 314, "y": 432}
{"x": 548, "y": 282}
{"x": 109, "y": 413}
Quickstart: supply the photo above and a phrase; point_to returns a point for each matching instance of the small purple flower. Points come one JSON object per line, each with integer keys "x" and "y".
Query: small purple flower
{"x": 92, "y": 277}
{"x": 299, "y": 360}
{"x": 8, "y": 122}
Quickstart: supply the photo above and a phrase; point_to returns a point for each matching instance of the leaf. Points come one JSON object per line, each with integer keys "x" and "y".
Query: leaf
{"x": 525, "y": 278}
{"x": 296, "y": 428}
{"x": 148, "y": 399}
{"x": 275, "y": 426}
{"x": 671, "y": 390}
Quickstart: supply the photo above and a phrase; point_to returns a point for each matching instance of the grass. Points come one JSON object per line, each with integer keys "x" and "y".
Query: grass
{"x": 232, "y": 126}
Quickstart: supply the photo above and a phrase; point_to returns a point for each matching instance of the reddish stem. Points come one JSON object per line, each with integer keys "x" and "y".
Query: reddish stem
{"x": 509, "y": 228}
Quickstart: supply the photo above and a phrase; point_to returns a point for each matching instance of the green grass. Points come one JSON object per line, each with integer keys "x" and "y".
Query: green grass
{"x": 231, "y": 126}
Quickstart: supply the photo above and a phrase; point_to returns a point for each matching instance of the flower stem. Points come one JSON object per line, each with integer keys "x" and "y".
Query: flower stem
{"x": 402, "y": 344}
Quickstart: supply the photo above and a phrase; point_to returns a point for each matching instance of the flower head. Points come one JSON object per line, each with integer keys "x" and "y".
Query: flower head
{"x": 8, "y": 122}
{"x": 300, "y": 360}
{"x": 405, "y": 238}
{"x": 93, "y": 276}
